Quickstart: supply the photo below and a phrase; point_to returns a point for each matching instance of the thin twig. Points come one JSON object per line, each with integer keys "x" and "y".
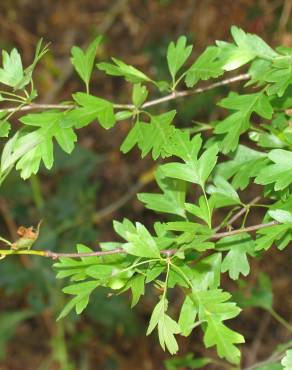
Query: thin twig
{"x": 181, "y": 94}
{"x": 244, "y": 230}
{"x": 151, "y": 103}
{"x": 167, "y": 252}
{"x": 36, "y": 106}
{"x": 243, "y": 210}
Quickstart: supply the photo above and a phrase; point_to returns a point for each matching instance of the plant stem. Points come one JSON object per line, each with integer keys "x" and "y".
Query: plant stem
{"x": 280, "y": 319}
{"x": 208, "y": 207}
{"x": 166, "y": 252}
{"x": 37, "y": 192}
{"x": 150, "y": 103}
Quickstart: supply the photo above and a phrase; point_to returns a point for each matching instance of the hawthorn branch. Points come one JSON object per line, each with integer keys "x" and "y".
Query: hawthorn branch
{"x": 181, "y": 94}
{"x": 166, "y": 252}
{"x": 174, "y": 95}
{"x": 238, "y": 214}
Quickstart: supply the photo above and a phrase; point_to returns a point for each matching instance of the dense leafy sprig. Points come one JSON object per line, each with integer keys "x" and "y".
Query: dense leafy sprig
{"x": 186, "y": 251}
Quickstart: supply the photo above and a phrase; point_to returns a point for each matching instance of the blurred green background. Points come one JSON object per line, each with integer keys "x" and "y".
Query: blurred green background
{"x": 85, "y": 191}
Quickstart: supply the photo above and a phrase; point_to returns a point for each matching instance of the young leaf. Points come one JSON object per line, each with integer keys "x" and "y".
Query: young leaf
{"x": 173, "y": 197}
{"x": 29, "y": 149}
{"x": 156, "y": 134}
{"x": 4, "y": 128}
{"x": 279, "y": 76}
{"x": 280, "y": 172}
{"x": 194, "y": 170}
{"x": 272, "y": 234}
{"x": 177, "y": 54}
{"x": 247, "y": 47}
{"x": 83, "y": 61}
{"x": 137, "y": 284}
{"x": 205, "y": 67}
{"x": 219, "y": 335}
{"x": 287, "y": 360}
{"x": 237, "y": 123}
{"x": 236, "y": 262}
{"x": 139, "y": 94}
{"x": 167, "y": 327}
{"x": 281, "y": 215}
{"x": 119, "y": 68}
{"x": 244, "y": 165}
{"x": 140, "y": 242}
{"x": 222, "y": 193}
{"x": 181, "y": 145}
{"x": 82, "y": 292}
{"x": 151, "y": 136}
{"x": 91, "y": 108}
{"x": 201, "y": 211}
{"x": 12, "y": 72}
{"x": 187, "y": 316}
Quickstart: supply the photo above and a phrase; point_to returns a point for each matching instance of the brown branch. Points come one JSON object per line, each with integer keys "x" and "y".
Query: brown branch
{"x": 181, "y": 94}
{"x": 36, "y": 106}
{"x": 150, "y": 103}
{"x": 166, "y": 252}
{"x": 243, "y": 230}
{"x": 240, "y": 213}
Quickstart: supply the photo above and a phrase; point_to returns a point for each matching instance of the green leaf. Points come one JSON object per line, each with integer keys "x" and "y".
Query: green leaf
{"x": 173, "y": 197}
{"x": 5, "y": 128}
{"x": 157, "y": 312}
{"x": 180, "y": 145}
{"x": 269, "y": 235}
{"x": 244, "y": 165}
{"x": 139, "y": 94}
{"x": 140, "y": 242}
{"x": 167, "y": 327}
{"x": 91, "y": 108}
{"x": 280, "y": 172}
{"x": 156, "y": 134}
{"x": 236, "y": 261}
{"x": 205, "y": 67}
{"x": 177, "y": 55}
{"x": 187, "y": 316}
{"x": 83, "y": 61}
{"x": 194, "y": 170}
{"x": 239, "y": 122}
{"x": 214, "y": 303}
{"x": 12, "y": 72}
{"x": 201, "y": 211}
{"x": 151, "y": 136}
{"x": 40, "y": 51}
{"x": 100, "y": 271}
{"x": 222, "y": 193}
{"x": 137, "y": 284}
{"x": 219, "y": 335}
{"x": 280, "y": 75}
{"x": 82, "y": 292}
{"x": 119, "y": 68}
{"x": 135, "y": 136}
{"x": 207, "y": 273}
{"x": 28, "y": 150}
{"x": 281, "y": 215}
{"x": 253, "y": 43}
{"x": 287, "y": 360}
{"x": 247, "y": 47}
